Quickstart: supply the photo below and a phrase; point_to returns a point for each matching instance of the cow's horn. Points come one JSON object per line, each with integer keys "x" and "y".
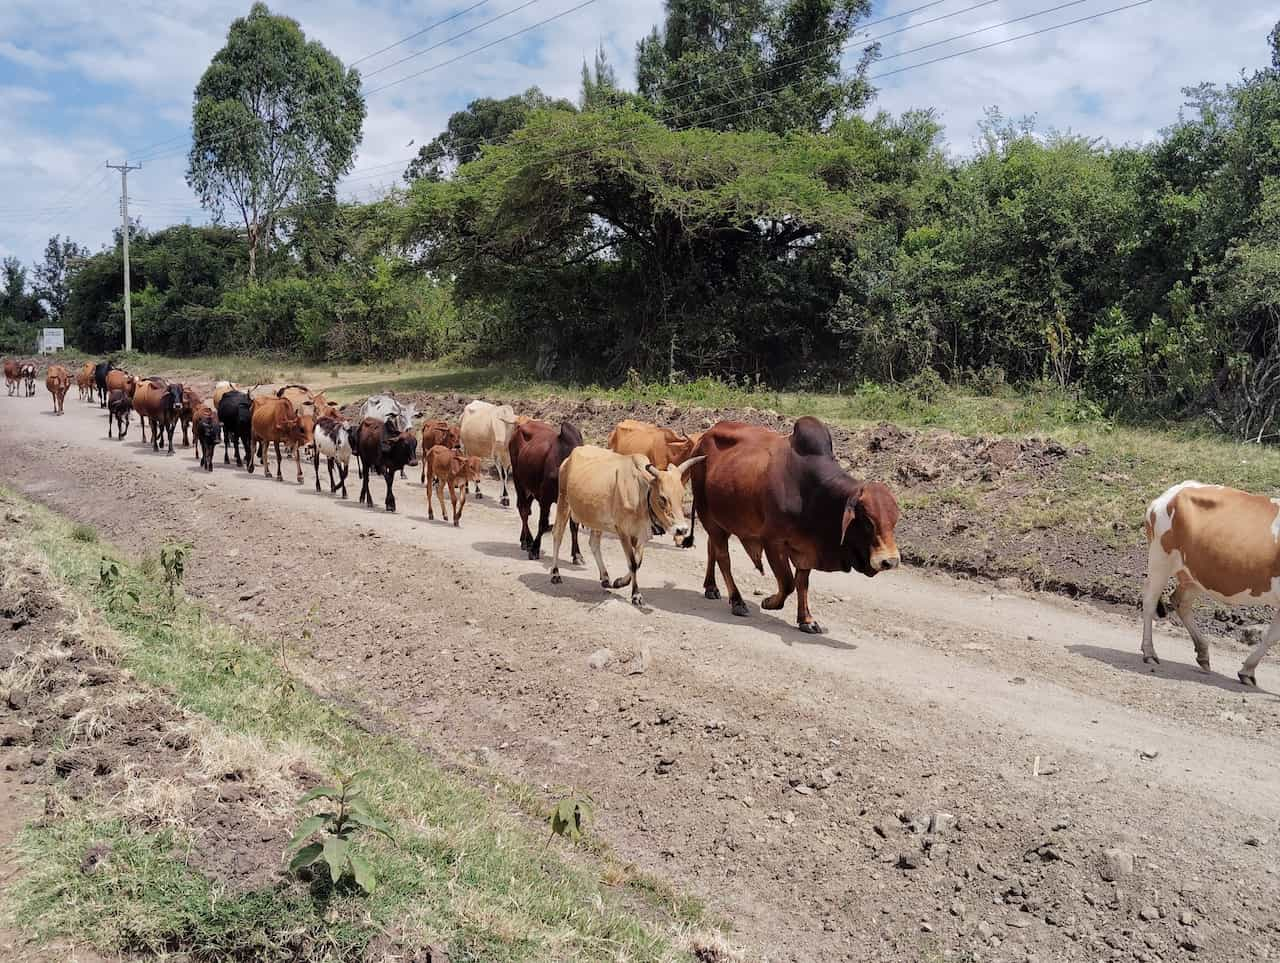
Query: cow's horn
{"x": 685, "y": 466}
{"x": 651, "y": 470}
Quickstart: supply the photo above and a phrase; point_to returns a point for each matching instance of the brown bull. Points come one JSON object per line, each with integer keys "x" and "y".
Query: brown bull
{"x": 157, "y": 401}
{"x": 275, "y": 422}
{"x": 662, "y": 446}
{"x": 786, "y": 498}
{"x": 537, "y": 450}
{"x": 58, "y": 380}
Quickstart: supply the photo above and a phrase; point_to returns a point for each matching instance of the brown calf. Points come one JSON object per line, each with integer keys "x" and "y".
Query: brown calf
{"x": 58, "y": 380}
{"x": 437, "y": 433}
{"x": 452, "y": 468}
{"x": 84, "y": 381}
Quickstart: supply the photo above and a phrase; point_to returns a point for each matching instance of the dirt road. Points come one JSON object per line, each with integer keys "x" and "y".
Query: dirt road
{"x": 951, "y": 769}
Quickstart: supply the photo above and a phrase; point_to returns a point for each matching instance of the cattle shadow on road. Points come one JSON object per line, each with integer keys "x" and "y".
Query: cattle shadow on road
{"x": 513, "y": 550}
{"x": 1175, "y": 671}
{"x": 681, "y": 602}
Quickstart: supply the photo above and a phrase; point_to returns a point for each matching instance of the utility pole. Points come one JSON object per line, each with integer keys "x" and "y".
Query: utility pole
{"x": 124, "y": 238}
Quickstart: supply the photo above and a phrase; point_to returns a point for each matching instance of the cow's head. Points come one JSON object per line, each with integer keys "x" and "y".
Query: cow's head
{"x": 470, "y": 467}
{"x": 680, "y": 447}
{"x": 867, "y": 542}
{"x": 410, "y": 443}
{"x": 130, "y": 385}
{"x": 666, "y": 499}
{"x": 288, "y": 425}
{"x": 171, "y": 400}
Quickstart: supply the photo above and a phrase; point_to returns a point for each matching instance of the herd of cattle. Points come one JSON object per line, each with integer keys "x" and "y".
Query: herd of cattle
{"x": 785, "y": 497}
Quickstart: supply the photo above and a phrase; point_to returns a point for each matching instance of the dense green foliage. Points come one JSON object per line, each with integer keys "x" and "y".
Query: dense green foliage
{"x": 276, "y": 121}
{"x": 757, "y": 225}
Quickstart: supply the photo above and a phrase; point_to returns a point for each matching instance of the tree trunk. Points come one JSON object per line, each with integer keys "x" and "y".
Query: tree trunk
{"x": 252, "y": 230}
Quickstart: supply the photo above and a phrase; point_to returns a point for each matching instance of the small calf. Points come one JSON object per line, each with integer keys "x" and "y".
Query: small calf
{"x": 448, "y": 467}
{"x": 208, "y": 432}
{"x": 119, "y": 410}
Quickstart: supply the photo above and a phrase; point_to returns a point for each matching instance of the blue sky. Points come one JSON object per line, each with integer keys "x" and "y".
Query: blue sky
{"x": 81, "y": 83}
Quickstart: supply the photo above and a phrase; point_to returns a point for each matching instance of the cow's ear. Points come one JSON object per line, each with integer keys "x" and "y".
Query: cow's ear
{"x": 850, "y": 512}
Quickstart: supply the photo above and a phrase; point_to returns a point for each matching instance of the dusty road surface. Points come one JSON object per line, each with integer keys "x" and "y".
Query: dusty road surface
{"x": 951, "y": 770}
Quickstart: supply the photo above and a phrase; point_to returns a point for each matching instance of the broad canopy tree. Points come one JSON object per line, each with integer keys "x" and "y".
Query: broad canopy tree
{"x": 276, "y": 121}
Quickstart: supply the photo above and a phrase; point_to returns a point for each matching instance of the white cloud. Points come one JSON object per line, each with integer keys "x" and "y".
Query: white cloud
{"x": 96, "y": 81}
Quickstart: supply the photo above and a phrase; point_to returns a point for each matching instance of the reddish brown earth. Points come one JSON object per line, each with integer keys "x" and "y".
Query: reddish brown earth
{"x": 952, "y": 770}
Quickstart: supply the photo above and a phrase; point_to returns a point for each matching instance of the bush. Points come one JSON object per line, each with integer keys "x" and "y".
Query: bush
{"x": 926, "y": 386}
{"x": 1114, "y": 361}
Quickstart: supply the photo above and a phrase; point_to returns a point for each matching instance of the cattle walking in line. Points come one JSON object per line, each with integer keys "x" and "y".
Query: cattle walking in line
{"x": 785, "y": 497}
{"x": 235, "y": 412}
{"x": 100, "y": 372}
{"x": 485, "y": 432}
{"x": 119, "y": 410}
{"x": 537, "y": 450}
{"x": 12, "y": 376}
{"x": 275, "y": 422}
{"x": 332, "y": 441}
{"x": 57, "y": 379}
{"x": 437, "y": 433}
{"x": 624, "y": 494}
{"x": 662, "y": 446}
{"x": 84, "y": 381}
{"x": 386, "y": 449}
{"x": 159, "y": 403}
{"x": 1216, "y": 542}
{"x": 447, "y": 467}
{"x": 29, "y": 378}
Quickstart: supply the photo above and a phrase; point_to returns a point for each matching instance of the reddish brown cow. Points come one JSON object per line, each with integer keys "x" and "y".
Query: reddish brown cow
{"x": 437, "y": 433}
{"x": 117, "y": 379}
{"x": 12, "y": 375}
{"x": 191, "y": 400}
{"x": 785, "y": 496}
{"x": 537, "y": 450}
{"x": 276, "y": 422}
{"x": 662, "y": 446}
{"x": 58, "y": 380}
{"x": 447, "y": 467}
{"x": 158, "y": 402}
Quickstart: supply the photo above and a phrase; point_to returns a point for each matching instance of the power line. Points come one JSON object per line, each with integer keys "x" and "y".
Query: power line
{"x": 414, "y": 36}
{"x": 448, "y": 40}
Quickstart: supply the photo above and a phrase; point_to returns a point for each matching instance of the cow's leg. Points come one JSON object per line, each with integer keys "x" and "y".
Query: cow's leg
{"x": 502, "y": 473}
{"x": 142, "y": 427}
{"x": 557, "y": 535}
{"x": 718, "y": 553}
{"x": 1246, "y": 673}
{"x": 781, "y": 565}
{"x": 297, "y": 459}
{"x": 633, "y": 549}
{"x": 1183, "y": 600}
{"x": 453, "y": 500}
{"x": 279, "y": 462}
{"x": 390, "y": 476}
{"x": 364, "y": 486}
{"x": 342, "y": 477}
{"x": 170, "y": 429}
{"x": 544, "y": 525}
{"x": 329, "y": 464}
{"x": 577, "y": 558}
{"x": 1159, "y": 568}
{"x": 431, "y": 511}
{"x": 804, "y": 618}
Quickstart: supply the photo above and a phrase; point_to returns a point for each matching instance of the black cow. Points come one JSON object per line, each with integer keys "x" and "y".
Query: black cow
{"x": 537, "y": 450}
{"x": 384, "y": 448}
{"x": 207, "y": 431}
{"x": 235, "y": 412}
{"x": 119, "y": 408}
{"x": 100, "y": 380}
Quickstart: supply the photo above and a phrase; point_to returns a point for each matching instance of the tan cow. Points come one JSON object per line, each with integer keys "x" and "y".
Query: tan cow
{"x": 84, "y": 381}
{"x": 624, "y": 494}
{"x": 58, "y": 380}
{"x": 484, "y": 431}
{"x": 1216, "y": 542}
{"x": 662, "y": 446}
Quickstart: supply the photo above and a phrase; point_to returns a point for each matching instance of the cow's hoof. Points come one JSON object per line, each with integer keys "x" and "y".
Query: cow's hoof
{"x": 1204, "y": 664}
{"x": 606, "y": 583}
{"x": 1151, "y": 658}
{"x": 479, "y": 494}
{"x": 688, "y": 542}
{"x": 504, "y": 501}
{"x": 1247, "y": 679}
{"x": 637, "y": 600}
{"x": 739, "y": 608}
{"x": 455, "y": 523}
{"x": 772, "y": 603}
{"x": 578, "y": 560}
{"x": 391, "y": 509}
{"x": 534, "y": 554}
{"x": 810, "y": 628}
{"x": 555, "y": 578}
{"x": 711, "y": 593}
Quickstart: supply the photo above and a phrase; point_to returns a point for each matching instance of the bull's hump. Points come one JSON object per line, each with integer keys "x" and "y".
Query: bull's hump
{"x": 811, "y": 437}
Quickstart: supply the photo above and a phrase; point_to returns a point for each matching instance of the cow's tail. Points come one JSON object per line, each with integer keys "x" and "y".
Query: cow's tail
{"x": 1162, "y": 610}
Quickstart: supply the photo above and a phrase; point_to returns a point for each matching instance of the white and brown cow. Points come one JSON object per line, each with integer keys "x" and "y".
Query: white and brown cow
{"x": 1217, "y": 542}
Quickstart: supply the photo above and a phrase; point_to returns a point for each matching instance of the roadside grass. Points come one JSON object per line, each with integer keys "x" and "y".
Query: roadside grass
{"x": 464, "y": 870}
{"x": 1102, "y": 494}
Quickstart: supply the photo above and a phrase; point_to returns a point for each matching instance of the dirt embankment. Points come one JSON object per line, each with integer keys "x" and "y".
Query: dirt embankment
{"x": 955, "y": 490}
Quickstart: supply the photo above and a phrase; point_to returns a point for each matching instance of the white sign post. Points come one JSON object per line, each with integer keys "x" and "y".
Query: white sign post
{"x": 50, "y": 341}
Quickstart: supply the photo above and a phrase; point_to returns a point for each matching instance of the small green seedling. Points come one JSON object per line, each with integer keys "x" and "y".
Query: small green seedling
{"x": 173, "y": 560}
{"x": 111, "y": 582}
{"x": 334, "y": 846}
{"x": 570, "y": 817}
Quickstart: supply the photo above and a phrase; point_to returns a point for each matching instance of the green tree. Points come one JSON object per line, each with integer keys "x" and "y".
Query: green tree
{"x": 740, "y": 64}
{"x": 485, "y": 121}
{"x": 51, "y": 275}
{"x": 276, "y": 121}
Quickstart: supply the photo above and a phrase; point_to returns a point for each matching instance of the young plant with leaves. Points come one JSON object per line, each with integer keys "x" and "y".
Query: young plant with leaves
{"x": 335, "y": 828}
{"x": 569, "y": 817}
